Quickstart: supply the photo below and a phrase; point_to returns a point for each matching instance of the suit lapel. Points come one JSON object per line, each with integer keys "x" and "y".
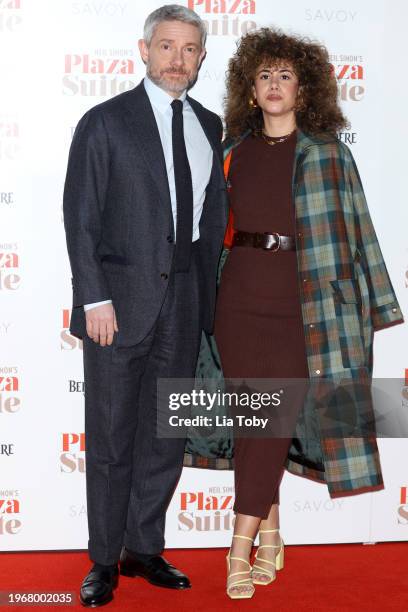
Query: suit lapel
{"x": 211, "y": 137}
{"x": 141, "y": 120}
{"x": 198, "y": 111}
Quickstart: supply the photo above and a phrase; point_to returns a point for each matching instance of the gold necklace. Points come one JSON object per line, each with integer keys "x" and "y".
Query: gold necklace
{"x": 273, "y": 140}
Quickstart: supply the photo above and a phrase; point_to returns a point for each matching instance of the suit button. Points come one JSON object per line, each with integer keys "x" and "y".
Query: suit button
{"x": 170, "y": 239}
{"x": 164, "y": 276}
{"x": 317, "y": 371}
{"x": 394, "y": 310}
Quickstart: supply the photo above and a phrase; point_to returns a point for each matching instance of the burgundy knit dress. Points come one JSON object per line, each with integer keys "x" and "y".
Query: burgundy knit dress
{"x": 258, "y": 324}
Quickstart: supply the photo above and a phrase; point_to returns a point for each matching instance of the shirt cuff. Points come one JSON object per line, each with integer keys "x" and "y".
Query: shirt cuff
{"x": 90, "y": 306}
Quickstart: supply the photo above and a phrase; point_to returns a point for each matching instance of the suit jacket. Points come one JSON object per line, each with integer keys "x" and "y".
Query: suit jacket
{"x": 118, "y": 219}
{"x": 346, "y": 294}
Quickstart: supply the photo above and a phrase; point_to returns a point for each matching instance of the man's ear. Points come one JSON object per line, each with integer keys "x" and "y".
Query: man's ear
{"x": 203, "y": 55}
{"x": 144, "y": 50}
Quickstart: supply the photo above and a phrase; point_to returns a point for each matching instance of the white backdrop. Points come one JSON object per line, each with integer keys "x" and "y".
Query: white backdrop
{"x": 57, "y": 59}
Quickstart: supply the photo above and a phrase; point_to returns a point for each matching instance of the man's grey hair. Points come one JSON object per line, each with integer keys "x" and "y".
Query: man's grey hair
{"x": 173, "y": 12}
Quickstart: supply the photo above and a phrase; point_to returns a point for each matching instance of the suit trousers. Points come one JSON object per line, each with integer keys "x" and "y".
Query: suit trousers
{"x": 131, "y": 473}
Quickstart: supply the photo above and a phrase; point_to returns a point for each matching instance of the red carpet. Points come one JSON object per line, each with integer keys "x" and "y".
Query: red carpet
{"x": 341, "y": 577}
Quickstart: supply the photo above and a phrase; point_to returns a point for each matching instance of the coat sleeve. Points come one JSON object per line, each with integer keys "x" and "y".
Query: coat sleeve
{"x": 85, "y": 191}
{"x": 385, "y": 310}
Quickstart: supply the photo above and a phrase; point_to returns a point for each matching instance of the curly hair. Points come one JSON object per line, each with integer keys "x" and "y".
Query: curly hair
{"x": 317, "y": 109}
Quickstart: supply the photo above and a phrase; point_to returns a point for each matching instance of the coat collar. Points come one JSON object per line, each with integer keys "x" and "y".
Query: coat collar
{"x": 305, "y": 141}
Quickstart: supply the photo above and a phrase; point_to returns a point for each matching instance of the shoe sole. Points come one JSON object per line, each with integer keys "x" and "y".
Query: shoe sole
{"x": 159, "y": 584}
{"x": 93, "y": 605}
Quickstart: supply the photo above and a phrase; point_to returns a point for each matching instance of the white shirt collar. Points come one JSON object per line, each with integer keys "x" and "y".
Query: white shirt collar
{"x": 160, "y": 99}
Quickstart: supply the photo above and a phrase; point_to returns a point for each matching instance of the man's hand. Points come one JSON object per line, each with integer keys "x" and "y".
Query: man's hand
{"x": 101, "y": 324}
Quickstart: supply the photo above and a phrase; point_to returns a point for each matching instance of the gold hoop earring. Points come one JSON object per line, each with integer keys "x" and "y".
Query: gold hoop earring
{"x": 253, "y": 103}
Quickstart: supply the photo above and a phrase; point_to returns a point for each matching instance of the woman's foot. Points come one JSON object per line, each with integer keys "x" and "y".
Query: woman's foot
{"x": 269, "y": 557}
{"x": 239, "y": 581}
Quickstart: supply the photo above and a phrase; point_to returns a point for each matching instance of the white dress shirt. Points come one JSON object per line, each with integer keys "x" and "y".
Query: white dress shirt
{"x": 199, "y": 153}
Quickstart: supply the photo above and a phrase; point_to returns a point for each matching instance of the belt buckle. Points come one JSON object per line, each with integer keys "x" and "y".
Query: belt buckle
{"x": 269, "y": 246}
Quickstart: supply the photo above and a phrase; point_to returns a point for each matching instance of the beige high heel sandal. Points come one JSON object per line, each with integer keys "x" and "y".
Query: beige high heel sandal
{"x": 242, "y": 581}
{"x": 278, "y": 564}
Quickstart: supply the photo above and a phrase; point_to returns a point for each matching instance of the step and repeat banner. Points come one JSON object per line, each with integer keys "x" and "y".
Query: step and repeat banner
{"x": 58, "y": 59}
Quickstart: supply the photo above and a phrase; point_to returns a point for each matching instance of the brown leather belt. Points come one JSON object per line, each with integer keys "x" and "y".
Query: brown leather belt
{"x": 269, "y": 242}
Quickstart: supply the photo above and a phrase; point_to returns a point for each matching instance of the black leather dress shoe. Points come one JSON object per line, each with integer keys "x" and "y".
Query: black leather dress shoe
{"x": 156, "y": 570}
{"x": 97, "y": 587}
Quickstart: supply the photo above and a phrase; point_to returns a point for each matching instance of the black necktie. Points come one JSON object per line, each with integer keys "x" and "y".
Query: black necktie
{"x": 184, "y": 191}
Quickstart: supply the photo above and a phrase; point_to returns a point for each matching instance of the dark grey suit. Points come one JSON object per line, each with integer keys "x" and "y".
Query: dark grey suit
{"x": 119, "y": 229}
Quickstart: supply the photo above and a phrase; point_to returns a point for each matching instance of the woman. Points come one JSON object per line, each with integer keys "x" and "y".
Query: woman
{"x": 304, "y": 284}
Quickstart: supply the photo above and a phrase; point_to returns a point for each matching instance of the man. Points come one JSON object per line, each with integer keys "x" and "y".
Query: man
{"x": 145, "y": 215}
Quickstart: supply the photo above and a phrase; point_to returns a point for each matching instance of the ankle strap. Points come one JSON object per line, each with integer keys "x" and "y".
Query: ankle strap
{"x": 242, "y": 537}
{"x": 240, "y": 559}
{"x": 268, "y": 530}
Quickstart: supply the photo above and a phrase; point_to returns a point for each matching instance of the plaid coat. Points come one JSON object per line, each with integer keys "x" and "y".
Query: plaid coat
{"x": 346, "y": 295}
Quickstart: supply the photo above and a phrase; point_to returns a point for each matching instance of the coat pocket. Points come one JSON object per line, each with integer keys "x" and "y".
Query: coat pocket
{"x": 348, "y": 308}
{"x": 346, "y": 290}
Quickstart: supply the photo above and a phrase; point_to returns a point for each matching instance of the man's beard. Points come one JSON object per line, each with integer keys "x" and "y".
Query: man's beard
{"x": 168, "y": 84}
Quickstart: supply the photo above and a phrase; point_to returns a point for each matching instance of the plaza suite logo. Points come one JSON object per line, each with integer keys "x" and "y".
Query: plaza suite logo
{"x": 350, "y": 73}
{"x": 211, "y": 511}
{"x": 10, "y": 512}
{"x": 9, "y": 138}
{"x": 9, "y": 390}
{"x": 10, "y": 15}
{"x": 226, "y": 17}
{"x": 72, "y": 457}
{"x": 68, "y": 342}
{"x": 102, "y": 73}
{"x": 10, "y": 277}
